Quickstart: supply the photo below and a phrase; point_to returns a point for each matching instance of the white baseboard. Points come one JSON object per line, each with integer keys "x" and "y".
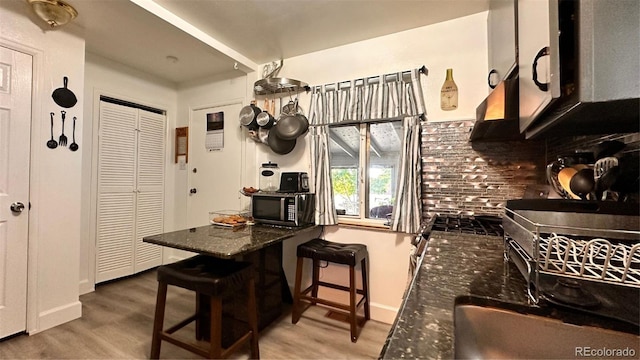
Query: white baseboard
{"x": 86, "y": 287}
{"x": 383, "y": 313}
{"x": 60, "y": 315}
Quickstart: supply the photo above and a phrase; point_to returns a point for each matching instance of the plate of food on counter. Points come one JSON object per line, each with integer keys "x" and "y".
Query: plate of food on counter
{"x": 248, "y": 191}
{"x": 229, "y": 219}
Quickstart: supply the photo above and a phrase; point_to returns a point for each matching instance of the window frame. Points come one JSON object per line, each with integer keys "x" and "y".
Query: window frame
{"x": 363, "y": 219}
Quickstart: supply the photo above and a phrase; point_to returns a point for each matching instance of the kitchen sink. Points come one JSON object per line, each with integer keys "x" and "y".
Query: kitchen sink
{"x": 490, "y": 329}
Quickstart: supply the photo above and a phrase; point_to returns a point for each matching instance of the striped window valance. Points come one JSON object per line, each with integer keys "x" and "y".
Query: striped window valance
{"x": 394, "y": 95}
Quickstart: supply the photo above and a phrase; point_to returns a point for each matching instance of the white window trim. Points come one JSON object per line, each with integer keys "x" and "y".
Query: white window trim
{"x": 363, "y": 173}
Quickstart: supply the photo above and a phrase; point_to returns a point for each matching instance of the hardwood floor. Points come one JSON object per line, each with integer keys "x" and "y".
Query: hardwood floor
{"x": 117, "y": 321}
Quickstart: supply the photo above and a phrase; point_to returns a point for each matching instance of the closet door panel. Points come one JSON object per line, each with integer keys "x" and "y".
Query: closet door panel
{"x": 149, "y": 221}
{"x": 150, "y": 177}
{"x": 115, "y": 227}
{"x": 116, "y": 192}
{"x": 117, "y": 147}
{"x": 151, "y": 151}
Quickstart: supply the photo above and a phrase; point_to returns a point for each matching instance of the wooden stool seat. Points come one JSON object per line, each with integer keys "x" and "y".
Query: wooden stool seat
{"x": 211, "y": 278}
{"x": 346, "y": 254}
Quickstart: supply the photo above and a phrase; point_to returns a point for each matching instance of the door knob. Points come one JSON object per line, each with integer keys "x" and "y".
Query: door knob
{"x": 193, "y": 191}
{"x": 17, "y": 207}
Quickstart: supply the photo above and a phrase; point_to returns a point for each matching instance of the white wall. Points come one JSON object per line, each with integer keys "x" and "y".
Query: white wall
{"x": 105, "y": 77}
{"x": 56, "y": 231}
{"x": 55, "y": 196}
{"x": 460, "y": 44}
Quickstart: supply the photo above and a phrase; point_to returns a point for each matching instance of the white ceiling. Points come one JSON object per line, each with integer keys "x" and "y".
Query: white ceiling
{"x": 211, "y": 35}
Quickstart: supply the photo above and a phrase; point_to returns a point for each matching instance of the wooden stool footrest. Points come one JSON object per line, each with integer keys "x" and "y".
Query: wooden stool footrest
{"x": 181, "y": 324}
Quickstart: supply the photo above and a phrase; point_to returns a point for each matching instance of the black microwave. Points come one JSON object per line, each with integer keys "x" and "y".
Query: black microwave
{"x": 283, "y": 209}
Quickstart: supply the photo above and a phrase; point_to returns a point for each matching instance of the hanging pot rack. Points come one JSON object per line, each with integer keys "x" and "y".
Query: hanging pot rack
{"x": 271, "y": 84}
{"x": 279, "y": 85}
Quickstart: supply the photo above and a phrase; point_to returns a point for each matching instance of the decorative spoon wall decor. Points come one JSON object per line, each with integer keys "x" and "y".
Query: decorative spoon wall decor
{"x": 52, "y": 144}
{"x": 73, "y": 146}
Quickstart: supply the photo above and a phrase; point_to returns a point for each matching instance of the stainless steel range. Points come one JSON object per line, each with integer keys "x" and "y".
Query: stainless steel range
{"x": 479, "y": 224}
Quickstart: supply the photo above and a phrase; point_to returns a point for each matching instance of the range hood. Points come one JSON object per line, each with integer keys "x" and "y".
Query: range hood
{"x": 497, "y": 116}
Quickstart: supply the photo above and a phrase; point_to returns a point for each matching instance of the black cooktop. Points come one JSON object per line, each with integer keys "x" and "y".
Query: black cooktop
{"x": 479, "y": 224}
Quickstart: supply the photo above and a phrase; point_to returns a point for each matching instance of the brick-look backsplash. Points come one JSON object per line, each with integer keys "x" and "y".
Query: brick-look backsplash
{"x": 464, "y": 178}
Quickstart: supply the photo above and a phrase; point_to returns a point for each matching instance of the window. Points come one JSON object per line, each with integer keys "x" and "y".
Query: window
{"x": 364, "y": 169}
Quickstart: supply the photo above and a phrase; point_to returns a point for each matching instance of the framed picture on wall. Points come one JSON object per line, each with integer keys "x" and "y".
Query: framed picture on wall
{"x": 215, "y": 131}
{"x": 182, "y": 143}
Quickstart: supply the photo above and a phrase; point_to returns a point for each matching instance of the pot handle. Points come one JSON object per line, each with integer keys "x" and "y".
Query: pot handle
{"x": 543, "y": 52}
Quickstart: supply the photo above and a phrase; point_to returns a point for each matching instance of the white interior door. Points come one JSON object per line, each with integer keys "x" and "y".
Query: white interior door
{"x": 15, "y": 125}
{"x": 215, "y": 176}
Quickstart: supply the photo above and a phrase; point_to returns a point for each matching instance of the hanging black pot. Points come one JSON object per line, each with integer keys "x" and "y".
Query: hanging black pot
{"x": 265, "y": 120}
{"x": 248, "y": 116}
{"x": 63, "y": 96}
{"x": 278, "y": 145}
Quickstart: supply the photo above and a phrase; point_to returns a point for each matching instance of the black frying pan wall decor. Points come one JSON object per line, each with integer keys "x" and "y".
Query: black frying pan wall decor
{"x": 63, "y": 96}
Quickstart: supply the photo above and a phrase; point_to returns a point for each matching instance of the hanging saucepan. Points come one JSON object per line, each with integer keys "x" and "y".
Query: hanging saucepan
{"x": 63, "y": 96}
{"x": 291, "y": 108}
{"x": 278, "y": 145}
{"x": 265, "y": 120}
{"x": 248, "y": 116}
{"x": 290, "y": 127}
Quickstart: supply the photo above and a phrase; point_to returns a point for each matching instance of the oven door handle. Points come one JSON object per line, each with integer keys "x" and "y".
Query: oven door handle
{"x": 282, "y": 208}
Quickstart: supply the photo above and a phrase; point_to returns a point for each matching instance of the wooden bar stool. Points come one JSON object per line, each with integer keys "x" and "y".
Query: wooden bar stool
{"x": 346, "y": 254}
{"x": 215, "y": 279}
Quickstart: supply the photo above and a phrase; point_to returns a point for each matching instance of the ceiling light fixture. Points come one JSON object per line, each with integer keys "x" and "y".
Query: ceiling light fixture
{"x": 53, "y": 12}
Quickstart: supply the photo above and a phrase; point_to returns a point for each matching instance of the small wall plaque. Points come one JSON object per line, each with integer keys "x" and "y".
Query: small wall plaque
{"x": 182, "y": 143}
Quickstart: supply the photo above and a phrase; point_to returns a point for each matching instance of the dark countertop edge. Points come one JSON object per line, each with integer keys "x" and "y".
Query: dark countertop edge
{"x": 426, "y": 235}
{"x": 153, "y": 239}
{"x": 186, "y": 248}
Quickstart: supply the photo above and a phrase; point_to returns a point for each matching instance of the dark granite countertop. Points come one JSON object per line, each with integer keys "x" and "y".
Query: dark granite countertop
{"x": 453, "y": 264}
{"x": 225, "y": 242}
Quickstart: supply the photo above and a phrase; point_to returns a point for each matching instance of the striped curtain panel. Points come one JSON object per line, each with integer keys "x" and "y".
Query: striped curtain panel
{"x": 322, "y": 111}
{"x": 407, "y": 210}
{"x": 363, "y": 100}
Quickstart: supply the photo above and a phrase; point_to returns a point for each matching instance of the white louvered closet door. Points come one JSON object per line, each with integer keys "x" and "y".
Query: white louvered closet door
{"x": 130, "y": 190}
{"x": 150, "y": 189}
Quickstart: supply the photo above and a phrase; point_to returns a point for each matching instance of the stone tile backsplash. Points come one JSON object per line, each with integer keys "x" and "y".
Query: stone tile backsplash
{"x": 464, "y": 178}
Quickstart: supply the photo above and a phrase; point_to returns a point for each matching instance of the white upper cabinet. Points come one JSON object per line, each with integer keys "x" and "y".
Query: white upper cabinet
{"x": 537, "y": 63}
{"x": 501, "y": 39}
